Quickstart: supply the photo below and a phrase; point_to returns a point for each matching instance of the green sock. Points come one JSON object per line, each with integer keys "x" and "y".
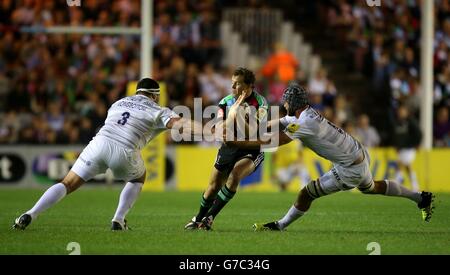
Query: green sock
{"x": 224, "y": 196}
{"x": 205, "y": 205}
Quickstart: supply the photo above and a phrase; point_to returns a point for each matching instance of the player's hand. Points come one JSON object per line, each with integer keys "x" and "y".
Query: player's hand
{"x": 234, "y": 108}
{"x": 226, "y": 140}
{"x": 240, "y": 99}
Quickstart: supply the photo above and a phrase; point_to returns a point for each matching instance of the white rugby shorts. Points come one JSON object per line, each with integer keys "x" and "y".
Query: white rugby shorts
{"x": 341, "y": 178}
{"x": 102, "y": 153}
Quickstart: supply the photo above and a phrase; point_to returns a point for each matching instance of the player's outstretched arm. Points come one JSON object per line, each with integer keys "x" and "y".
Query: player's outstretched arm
{"x": 195, "y": 128}
{"x": 172, "y": 122}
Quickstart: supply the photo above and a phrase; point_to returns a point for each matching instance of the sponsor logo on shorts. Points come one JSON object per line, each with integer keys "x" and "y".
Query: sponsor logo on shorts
{"x": 335, "y": 174}
{"x": 87, "y": 162}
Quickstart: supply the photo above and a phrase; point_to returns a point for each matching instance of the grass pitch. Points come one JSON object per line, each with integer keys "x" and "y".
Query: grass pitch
{"x": 343, "y": 223}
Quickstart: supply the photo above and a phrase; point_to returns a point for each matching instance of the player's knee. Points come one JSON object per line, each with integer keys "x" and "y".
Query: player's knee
{"x": 304, "y": 194}
{"x": 71, "y": 185}
{"x": 68, "y": 187}
{"x": 72, "y": 182}
{"x": 377, "y": 187}
{"x": 314, "y": 190}
{"x": 371, "y": 188}
{"x": 141, "y": 179}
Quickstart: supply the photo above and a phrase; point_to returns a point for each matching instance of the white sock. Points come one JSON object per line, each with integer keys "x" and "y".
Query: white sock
{"x": 127, "y": 198}
{"x": 414, "y": 183}
{"x": 53, "y": 195}
{"x": 292, "y": 215}
{"x": 398, "y": 190}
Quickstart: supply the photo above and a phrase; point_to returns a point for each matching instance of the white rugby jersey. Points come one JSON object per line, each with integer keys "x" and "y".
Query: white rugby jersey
{"x": 323, "y": 137}
{"x": 135, "y": 120}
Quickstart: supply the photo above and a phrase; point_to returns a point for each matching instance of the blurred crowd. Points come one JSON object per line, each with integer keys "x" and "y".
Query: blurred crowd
{"x": 383, "y": 43}
{"x": 56, "y": 88}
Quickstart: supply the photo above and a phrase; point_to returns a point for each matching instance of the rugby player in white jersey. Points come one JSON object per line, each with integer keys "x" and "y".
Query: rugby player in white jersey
{"x": 130, "y": 124}
{"x": 350, "y": 160}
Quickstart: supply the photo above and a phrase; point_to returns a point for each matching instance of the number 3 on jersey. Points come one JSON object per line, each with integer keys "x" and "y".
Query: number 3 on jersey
{"x": 125, "y": 117}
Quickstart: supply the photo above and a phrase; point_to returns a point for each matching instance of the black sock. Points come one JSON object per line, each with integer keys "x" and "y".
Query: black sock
{"x": 224, "y": 196}
{"x": 205, "y": 205}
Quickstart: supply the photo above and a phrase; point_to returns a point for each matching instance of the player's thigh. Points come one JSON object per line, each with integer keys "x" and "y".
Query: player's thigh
{"x": 355, "y": 176}
{"x": 126, "y": 164}
{"x": 90, "y": 162}
{"x": 243, "y": 168}
{"x": 242, "y": 161}
{"x": 324, "y": 185}
{"x": 246, "y": 164}
{"x": 366, "y": 184}
{"x": 337, "y": 179}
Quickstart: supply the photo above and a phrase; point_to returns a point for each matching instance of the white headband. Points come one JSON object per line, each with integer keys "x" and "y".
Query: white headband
{"x": 150, "y": 91}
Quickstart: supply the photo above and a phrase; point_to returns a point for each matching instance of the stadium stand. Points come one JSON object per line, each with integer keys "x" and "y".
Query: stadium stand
{"x": 55, "y": 89}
